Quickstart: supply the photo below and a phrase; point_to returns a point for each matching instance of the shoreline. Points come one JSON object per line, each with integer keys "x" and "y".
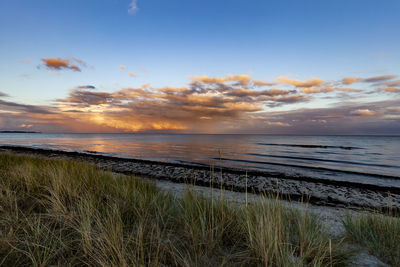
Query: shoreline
{"x": 316, "y": 191}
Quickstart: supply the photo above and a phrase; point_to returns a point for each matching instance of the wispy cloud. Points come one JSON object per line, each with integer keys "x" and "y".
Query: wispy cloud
{"x": 133, "y": 8}
{"x": 3, "y": 94}
{"x": 16, "y": 107}
{"x": 25, "y": 61}
{"x": 391, "y": 90}
{"x": 381, "y": 78}
{"x": 308, "y": 83}
{"x": 374, "y": 79}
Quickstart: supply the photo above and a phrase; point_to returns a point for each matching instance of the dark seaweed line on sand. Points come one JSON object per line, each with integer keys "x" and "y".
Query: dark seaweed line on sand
{"x": 49, "y": 152}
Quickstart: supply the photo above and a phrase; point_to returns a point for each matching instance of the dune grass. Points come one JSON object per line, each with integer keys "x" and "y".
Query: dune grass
{"x": 65, "y": 213}
{"x": 379, "y": 233}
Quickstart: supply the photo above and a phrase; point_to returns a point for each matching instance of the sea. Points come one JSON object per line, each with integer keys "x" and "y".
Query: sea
{"x": 362, "y": 159}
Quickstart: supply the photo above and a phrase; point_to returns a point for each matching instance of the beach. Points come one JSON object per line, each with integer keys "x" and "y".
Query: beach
{"x": 66, "y": 179}
{"x": 322, "y": 192}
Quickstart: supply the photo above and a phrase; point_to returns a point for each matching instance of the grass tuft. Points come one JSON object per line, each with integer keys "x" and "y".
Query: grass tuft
{"x": 379, "y": 233}
{"x": 58, "y": 212}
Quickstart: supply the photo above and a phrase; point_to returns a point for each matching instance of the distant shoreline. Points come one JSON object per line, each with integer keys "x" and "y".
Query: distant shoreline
{"x": 19, "y": 132}
{"x": 318, "y": 191}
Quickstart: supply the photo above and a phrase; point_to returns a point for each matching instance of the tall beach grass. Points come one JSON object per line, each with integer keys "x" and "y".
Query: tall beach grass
{"x": 378, "y": 233}
{"x": 66, "y": 213}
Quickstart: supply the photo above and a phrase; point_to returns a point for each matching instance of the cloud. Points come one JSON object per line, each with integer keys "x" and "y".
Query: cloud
{"x": 277, "y": 123}
{"x": 242, "y": 79}
{"x": 381, "y": 78}
{"x": 25, "y": 61}
{"x": 261, "y": 83}
{"x": 374, "y": 79}
{"x": 393, "y": 83}
{"x": 363, "y": 112}
{"x": 26, "y": 125}
{"x": 89, "y": 87}
{"x": 234, "y": 103}
{"x": 133, "y": 8}
{"x": 328, "y": 89}
{"x": 350, "y": 80}
{"x": 131, "y": 74}
{"x": 25, "y": 75}
{"x": 3, "y": 94}
{"x": 203, "y": 104}
{"x": 391, "y": 90}
{"x": 297, "y": 83}
{"x": 122, "y": 67}
{"x": 338, "y": 119}
{"x": 15, "y": 107}
{"x": 59, "y": 63}
{"x": 240, "y": 92}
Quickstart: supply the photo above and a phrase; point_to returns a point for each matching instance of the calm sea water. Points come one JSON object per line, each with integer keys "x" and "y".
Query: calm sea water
{"x": 367, "y": 159}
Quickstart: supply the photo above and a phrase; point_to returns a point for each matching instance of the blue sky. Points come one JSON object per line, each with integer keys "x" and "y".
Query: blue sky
{"x": 165, "y": 43}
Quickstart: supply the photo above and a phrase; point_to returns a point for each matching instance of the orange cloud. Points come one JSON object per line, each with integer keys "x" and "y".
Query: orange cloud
{"x": 297, "y": 83}
{"x": 391, "y": 90}
{"x": 309, "y": 90}
{"x": 205, "y": 104}
{"x": 243, "y": 79}
{"x": 350, "y": 80}
{"x": 261, "y": 83}
{"x": 59, "y": 63}
{"x": 131, "y": 74}
{"x": 122, "y": 67}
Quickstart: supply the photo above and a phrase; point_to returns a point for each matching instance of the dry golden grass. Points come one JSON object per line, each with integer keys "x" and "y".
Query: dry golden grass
{"x": 64, "y": 213}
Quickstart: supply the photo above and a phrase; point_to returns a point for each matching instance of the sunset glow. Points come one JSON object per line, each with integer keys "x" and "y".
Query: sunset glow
{"x": 146, "y": 76}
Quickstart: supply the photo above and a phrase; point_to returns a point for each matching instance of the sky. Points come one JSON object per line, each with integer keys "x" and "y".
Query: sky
{"x": 262, "y": 67}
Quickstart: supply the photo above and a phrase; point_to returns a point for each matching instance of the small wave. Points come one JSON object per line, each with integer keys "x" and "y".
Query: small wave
{"x": 310, "y": 146}
{"x": 323, "y": 160}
